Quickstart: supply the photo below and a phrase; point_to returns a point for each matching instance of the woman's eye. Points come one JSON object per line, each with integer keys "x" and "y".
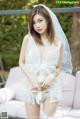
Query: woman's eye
{"x": 40, "y": 20}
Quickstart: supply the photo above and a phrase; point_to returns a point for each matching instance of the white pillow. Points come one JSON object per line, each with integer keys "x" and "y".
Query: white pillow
{"x": 6, "y": 94}
{"x": 77, "y": 91}
{"x": 68, "y": 89}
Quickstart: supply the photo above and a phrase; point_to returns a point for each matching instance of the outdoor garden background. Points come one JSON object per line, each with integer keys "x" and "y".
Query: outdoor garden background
{"x": 14, "y": 27}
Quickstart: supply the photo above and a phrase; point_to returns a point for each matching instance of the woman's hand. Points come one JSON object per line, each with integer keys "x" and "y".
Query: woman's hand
{"x": 40, "y": 82}
{"x": 35, "y": 85}
{"x": 46, "y": 84}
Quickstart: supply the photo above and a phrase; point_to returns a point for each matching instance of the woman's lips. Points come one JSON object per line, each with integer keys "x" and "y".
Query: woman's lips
{"x": 39, "y": 29}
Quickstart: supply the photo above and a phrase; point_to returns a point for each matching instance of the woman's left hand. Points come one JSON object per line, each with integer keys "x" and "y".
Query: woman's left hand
{"x": 46, "y": 83}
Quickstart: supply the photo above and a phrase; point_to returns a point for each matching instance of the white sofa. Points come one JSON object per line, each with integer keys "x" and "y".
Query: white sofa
{"x": 69, "y": 107}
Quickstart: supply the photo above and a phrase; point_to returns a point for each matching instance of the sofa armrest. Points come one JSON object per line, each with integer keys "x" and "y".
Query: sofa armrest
{"x": 68, "y": 89}
{"x": 77, "y": 92}
{"x": 6, "y": 94}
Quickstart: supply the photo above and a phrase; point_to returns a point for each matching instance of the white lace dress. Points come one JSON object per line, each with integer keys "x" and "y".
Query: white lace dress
{"x": 40, "y": 62}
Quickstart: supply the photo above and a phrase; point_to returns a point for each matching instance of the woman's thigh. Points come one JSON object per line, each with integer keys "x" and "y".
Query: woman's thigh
{"x": 33, "y": 111}
{"x": 50, "y": 107}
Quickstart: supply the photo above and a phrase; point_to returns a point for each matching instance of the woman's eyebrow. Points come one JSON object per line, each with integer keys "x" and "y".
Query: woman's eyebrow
{"x": 38, "y": 19}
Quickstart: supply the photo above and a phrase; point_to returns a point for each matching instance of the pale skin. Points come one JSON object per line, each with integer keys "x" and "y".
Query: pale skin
{"x": 33, "y": 110}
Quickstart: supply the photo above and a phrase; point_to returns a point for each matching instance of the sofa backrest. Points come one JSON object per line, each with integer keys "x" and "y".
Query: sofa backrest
{"x": 77, "y": 92}
{"x": 68, "y": 89}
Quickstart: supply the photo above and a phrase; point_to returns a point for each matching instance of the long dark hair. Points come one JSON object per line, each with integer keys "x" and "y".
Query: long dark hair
{"x": 50, "y": 30}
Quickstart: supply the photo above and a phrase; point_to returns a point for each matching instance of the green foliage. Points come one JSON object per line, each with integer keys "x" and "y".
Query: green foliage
{"x": 66, "y": 23}
{"x": 12, "y": 31}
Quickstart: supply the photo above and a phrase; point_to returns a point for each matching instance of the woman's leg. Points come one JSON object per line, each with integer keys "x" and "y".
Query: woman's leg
{"x": 50, "y": 108}
{"x": 33, "y": 111}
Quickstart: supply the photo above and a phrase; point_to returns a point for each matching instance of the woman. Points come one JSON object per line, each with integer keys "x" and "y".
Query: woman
{"x": 43, "y": 58}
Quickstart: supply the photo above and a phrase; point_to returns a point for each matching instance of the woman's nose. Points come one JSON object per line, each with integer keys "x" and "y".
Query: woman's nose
{"x": 38, "y": 25}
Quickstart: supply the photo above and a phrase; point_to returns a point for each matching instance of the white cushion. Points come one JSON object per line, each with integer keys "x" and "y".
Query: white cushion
{"x": 14, "y": 108}
{"x": 17, "y": 109}
{"x": 68, "y": 87}
{"x": 6, "y": 94}
{"x": 77, "y": 91}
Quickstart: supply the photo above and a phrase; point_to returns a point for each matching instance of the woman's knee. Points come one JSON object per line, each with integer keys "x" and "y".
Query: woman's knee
{"x": 50, "y": 107}
{"x": 33, "y": 111}
{"x": 50, "y": 112}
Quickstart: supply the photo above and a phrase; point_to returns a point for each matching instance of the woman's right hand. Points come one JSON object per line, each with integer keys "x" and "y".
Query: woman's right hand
{"x": 35, "y": 86}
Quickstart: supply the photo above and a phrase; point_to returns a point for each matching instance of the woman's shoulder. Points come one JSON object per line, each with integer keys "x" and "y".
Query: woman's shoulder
{"x": 59, "y": 44}
{"x": 26, "y": 36}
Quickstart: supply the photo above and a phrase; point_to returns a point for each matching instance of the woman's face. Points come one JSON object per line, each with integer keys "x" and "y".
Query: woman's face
{"x": 39, "y": 24}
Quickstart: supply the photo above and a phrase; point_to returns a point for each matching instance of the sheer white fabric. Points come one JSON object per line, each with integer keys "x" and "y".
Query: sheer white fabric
{"x": 41, "y": 67}
{"x": 60, "y": 36}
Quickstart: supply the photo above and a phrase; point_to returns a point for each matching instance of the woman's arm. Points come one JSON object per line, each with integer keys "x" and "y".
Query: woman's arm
{"x": 22, "y": 64}
{"x": 58, "y": 66}
{"x": 53, "y": 76}
{"x": 22, "y": 57}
